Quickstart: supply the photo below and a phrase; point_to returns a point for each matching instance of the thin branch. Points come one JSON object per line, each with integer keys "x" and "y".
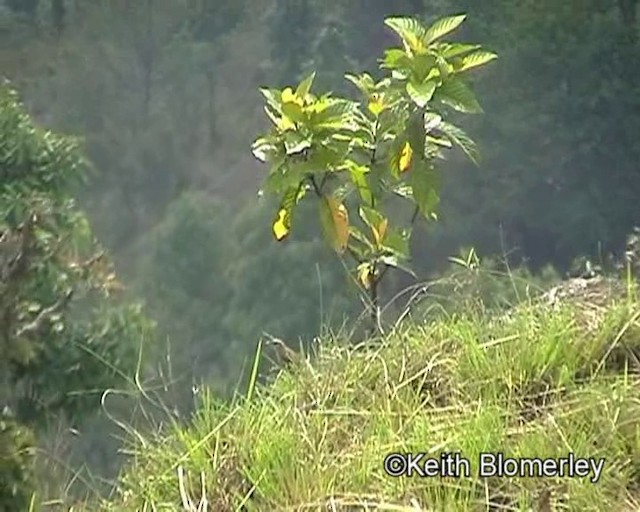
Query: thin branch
{"x": 414, "y": 216}
{"x": 316, "y": 188}
{"x": 18, "y": 264}
{"x": 372, "y": 161}
{"x": 325, "y": 177}
{"x": 37, "y": 325}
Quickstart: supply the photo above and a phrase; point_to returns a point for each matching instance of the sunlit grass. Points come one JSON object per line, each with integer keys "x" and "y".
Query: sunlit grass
{"x": 538, "y": 382}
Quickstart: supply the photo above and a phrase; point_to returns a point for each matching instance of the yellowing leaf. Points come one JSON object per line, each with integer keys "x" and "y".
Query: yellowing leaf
{"x": 376, "y": 105}
{"x": 335, "y": 221}
{"x": 405, "y": 157}
{"x": 341, "y": 222}
{"x": 416, "y": 44}
{"x": 379, "y": 232}
{"x": 288, "y": 96}
{"x": 364, "y": 272}
{"x": 382, "y": 229}
{"x": 282, "y": 224}
{"x": 285, "y": 123}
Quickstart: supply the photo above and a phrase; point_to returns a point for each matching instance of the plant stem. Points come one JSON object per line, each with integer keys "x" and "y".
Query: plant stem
{"x": 374, "y": 300}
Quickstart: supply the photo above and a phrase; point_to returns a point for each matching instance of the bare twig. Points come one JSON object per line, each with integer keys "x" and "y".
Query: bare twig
{"x": 37, "y": 325}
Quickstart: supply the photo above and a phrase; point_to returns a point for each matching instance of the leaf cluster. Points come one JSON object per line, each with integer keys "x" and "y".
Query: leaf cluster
{"x": 16, "y": 465}
{"x": 353, "y": 155}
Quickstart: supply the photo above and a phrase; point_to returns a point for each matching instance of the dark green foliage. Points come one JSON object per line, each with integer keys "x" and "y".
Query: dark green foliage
{"x": 65, "y": 335}
{"x": 207, "y": 21}
{"x": 293, "y": 25}
{"x": 184, "y": 273}
{"x": 16, "y": 465}
{"x": 490, "y": 285}
{"x": 216, "y": 284}
{"x": 560, "y": 156}
{"x": 24, "y": 7}
{"x": 291, "y": 289}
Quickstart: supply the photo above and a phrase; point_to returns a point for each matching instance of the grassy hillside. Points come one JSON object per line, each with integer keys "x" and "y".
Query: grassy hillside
{"x": 550, "y": 378}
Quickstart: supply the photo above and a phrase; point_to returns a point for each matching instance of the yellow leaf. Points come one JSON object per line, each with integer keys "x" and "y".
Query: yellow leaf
{"x": 382, "y": 229}
{"x": 364, "y": 271}
{"x": 376, "y": 105}
{"x": 335, "y": 221}
{"x": 341, "y": 223}
{"x": 405, "y": 157}
{"x": 289, "y": 96}
{"x": 380, "y": 232}
{"x": 281, "y": 225}
{"x": 285, "y": 123}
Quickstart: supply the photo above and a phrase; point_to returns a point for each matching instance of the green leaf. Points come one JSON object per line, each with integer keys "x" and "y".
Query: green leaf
{"x": 305, "y": 86}
{"x": 360, "y": 237}
{"x": 444, "y": 67}
{"x": 462, "y": 140}
{"x": 423, "y": 68}
{"x": 371, "y": 217}
{"x": 431, "y": 121}
{"x": 450, "y": 50}
{"x": 442, "y": 27}
{"x": 279, "y": 178}
{"x": 364, "y": 82}
{"x": 395, "y": 58}
{"x": 455, "y": 93}
{"x": 359, "y": 179}
{"x": 273, "y": 97}
{"x": 393, "y": 261}
{"x": 397, "y": 242}
{"x": 425, "y": 185}
{"x": 403, "y": 190}
{"x": 476, "y": 59}
{"x": 410, "y": 30}
{"x": 295, "y": 143}
{"x": 332, "y": 114}
{"x": 422, "y": 93}
{"x": 416, "y": 132}
{"x": 263, "y": 149}
{"x": 293, "y": 111}
{"x": 376, "y": 177}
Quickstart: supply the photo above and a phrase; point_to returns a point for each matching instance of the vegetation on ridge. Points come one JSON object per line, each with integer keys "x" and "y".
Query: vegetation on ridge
{"x": 544, "y": 381}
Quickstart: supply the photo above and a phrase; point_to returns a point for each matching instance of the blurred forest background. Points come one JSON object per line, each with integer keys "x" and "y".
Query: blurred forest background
{"x": 164, "y": 94}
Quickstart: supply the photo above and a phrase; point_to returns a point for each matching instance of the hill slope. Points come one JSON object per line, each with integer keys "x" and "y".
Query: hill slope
{"x": 549, "y": 380}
